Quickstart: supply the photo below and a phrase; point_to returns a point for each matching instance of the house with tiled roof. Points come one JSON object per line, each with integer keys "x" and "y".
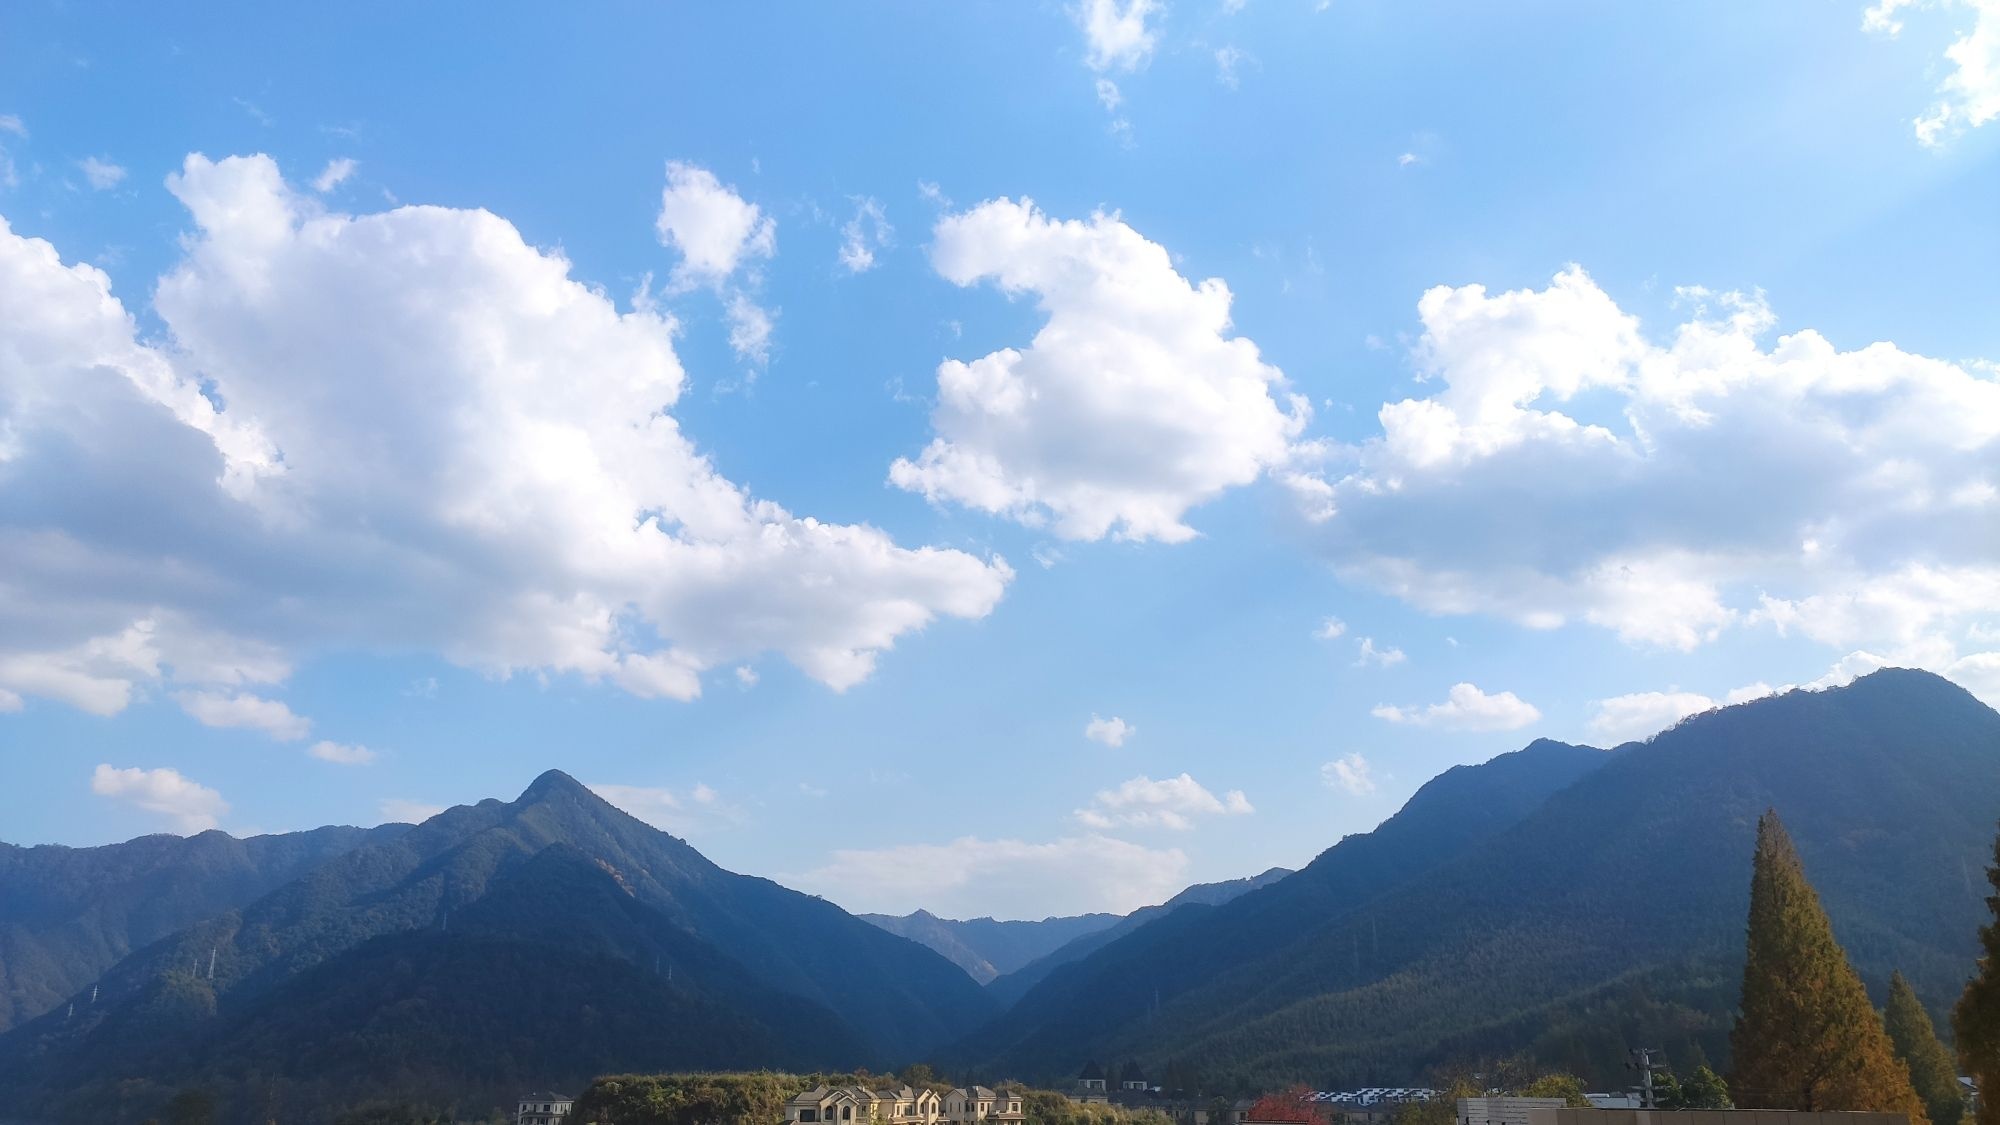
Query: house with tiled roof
{"x": 967, "y": 1105}
{"x": 543, "y": 1108}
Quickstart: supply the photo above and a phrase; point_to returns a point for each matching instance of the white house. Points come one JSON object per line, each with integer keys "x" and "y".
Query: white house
{"x": 543, "y": 1109}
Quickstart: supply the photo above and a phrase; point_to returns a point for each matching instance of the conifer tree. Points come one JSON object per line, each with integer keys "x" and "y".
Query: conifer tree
{"x": 1807, "y": 1037}
{"x": 1932, "y": 1071}
{"x": 1975, "y": 1023}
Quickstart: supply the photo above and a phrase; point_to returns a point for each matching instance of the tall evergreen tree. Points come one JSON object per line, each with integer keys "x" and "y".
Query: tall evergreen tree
{"x": 1807, "y": 1038}
{"x": 1975, "y": 1023}
{"x": 1932, "y": 1070}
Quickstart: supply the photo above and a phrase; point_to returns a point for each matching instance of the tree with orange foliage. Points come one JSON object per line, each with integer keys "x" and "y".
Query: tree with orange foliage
{"x": 1293, "y": 1106}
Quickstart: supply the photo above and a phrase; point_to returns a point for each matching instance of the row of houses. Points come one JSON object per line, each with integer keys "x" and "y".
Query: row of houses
{"x": 858, "y": 1105}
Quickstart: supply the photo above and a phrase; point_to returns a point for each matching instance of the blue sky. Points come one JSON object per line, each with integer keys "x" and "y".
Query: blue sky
{"x": 1002, "y": 458}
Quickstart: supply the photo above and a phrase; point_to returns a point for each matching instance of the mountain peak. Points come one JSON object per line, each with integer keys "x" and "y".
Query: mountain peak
{"x": 554, "y": 783}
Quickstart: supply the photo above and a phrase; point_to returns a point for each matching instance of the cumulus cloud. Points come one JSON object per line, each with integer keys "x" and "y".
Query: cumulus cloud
{"x": 1173, "y": 802}
{"x": 1006, "y": 878}
{"x": 1625, "y": 718}
{"x": 720, "y": 236}
{"x": 244, "y": 710}
{"x": 864, "y": 235}
{"x": 1564, "y": 466}
{"x": 341, "y": 753}
{"x": 1132, "y": 404}
{"x": 1969, "y": 96}
{"x": 1465, "y": 708}
{"x": 1330, "y": 629}
{"x": 1352, "y": 774}
{"x": 491, "y": 472}
{"x": 397, "y": 810}
{"x": 100, "y": 173}
{"x": 1116, "y": 34}
{"x": 188, "y": 806}
{"x": 1111, "y": 732}
{"x": 337, "y": 172}
{"x": 716, "y": 231}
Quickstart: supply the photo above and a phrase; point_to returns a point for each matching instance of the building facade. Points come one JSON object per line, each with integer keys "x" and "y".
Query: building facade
{"x": 543, "y": 1109}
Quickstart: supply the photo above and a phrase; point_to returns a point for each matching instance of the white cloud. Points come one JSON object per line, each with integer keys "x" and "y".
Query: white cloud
{"x": 1466, "y": 708}
{"x": 1227, "y": 60}
{"x": 337, "y": 172}
{"x": 1173, "y": 802}
{"x": 94, "y": 674}
{"x": 1111, "y": 732}
{"x": 680, "y": 812}
{"x": 750, "y": 327}
{"x": 1848, "y": 496}
{"x": 1626, "y": 718}
{"x": 188, "y": 806}
{"x": 746, "y": 676}
{"x": 1378, "y": 657}
{"x": 341, "y": 753}
{"x": 1108, "y": 95}
{"x": 715, "y": 230}
{"x": 1115, "y": 32}
{"x": 10, "y": 124}
{"x": 1131, "y": 406}
{"x": 1330, "y": 629}
{"x": 1407, "y": 159}
{"x": 864, "y": 235}
{"x": 1352, "y": 774}
{"x": 100, "y": 173}
{"x": 397, "y": 810}
{"x": 244, "y": 710}
{"x": 970, "y": 877}
{"x": 1969, "y": 96}
{"x": 526, "y": 501}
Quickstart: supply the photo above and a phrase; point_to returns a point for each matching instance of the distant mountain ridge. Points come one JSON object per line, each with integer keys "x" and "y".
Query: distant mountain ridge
{"x": 614, "y": 906}
{"x": 1011, "y": 986}
{"x": 68, "y": 914}
{"x": 1580, "y": 918}
{"x": 1560, "y": 901}
{"x": 987, "y": 947}
{"x": 1078, "y": 1006}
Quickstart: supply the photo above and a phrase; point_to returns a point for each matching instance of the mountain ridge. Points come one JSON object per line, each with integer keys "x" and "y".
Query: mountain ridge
{"x": 1887, "y": 784}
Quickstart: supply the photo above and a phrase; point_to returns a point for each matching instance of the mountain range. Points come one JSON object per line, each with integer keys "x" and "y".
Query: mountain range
{"x": 1010, "y": 956}
{"x": 1560, "y": 901}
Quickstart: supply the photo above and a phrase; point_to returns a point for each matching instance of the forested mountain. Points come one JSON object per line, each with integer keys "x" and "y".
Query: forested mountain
{"x": 1081, "y": 1005}
{"x": 987, "y": 947}
{"x": 68, "y": 914}
{"x": 1010, "y": 957}
{"x": 373, "y": 954}
{"x": 1011, "y": 986}
{"x": 1611, "y": 914}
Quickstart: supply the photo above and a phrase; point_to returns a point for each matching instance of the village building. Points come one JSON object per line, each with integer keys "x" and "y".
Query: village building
{"x": 1091, "y": 1084}
{"x": 969, "y": 1104}
{"x": 543, "y": 1109}
{"x": 858, "y": 1105}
